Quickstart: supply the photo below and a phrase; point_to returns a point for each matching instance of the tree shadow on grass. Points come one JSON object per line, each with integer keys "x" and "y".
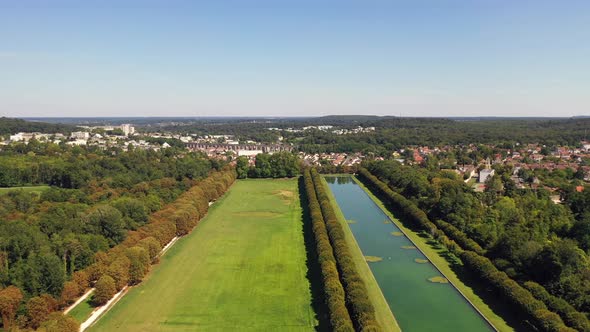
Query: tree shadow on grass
{"x": 314, "y": 274}
{"x": 491, "y": 298}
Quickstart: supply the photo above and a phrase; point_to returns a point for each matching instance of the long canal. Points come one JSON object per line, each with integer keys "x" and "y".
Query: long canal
{"x": 414, "y": 289}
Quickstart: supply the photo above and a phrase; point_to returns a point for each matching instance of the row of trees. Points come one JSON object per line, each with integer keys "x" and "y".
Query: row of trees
{"x": 112, "y": 269}
{"x": 127, "y": 263}
{"x": 568, "y": 313}
{"x": 472, "y": 256}
{"x": 520, "y": 298}
{"x": 357, "y": 298}
{"x": 333, "y": 290}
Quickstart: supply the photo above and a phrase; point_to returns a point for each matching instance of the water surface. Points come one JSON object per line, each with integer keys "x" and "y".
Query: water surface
{"x": 417, "y": 303}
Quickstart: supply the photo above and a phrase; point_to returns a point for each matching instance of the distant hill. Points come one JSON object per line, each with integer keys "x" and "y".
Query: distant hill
{"x": 12, "y": 126}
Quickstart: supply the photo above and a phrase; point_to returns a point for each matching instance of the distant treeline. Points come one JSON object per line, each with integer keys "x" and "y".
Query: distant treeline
{"x": 393, "y": 133}
{"x": 9, "y": 126}
{"x": 398, "y": 133}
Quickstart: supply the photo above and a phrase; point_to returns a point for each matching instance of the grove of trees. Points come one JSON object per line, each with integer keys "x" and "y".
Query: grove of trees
{"x": 276, "y": 165}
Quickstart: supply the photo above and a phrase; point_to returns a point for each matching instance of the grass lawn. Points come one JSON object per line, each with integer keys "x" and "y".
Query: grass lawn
{"x": 82, "y": 311}
{"x": 31, "y": 189}
{"x": 242, "y": 268}
{"x": 382, "y": 312}
{"x": 446, "y": 263}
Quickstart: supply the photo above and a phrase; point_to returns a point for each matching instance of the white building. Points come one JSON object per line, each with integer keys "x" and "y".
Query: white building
{"x": 127, "y": 129}
{"x": 249, "y": 153}
{"x": 77, "y": 142}
{"x": 80, "y": 135}
{"x": 17, "y": 137}
{"x": 485, "y": 174}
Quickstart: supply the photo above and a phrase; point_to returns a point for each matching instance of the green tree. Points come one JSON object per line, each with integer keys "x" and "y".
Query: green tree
{"x": 242, "y": 167}
{"x": 107, "y": 221}
{"x": 139, "y": 263}
{"x": 104, "y": 290}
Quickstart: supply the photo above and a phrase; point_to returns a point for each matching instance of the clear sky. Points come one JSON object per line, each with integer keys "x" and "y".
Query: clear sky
{"x": 291, "y": 58}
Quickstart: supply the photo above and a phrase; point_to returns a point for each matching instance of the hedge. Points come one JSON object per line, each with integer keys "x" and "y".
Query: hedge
{"x": 333, "y": 290}
{"x": 521, "y": 299}
{"x": 458, "y": 236}
{"x": 357, "y": 297}
{"x": 566, "y": 311}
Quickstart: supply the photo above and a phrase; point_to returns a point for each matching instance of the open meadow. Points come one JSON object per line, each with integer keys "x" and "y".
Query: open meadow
{"x": 242, "y": 268}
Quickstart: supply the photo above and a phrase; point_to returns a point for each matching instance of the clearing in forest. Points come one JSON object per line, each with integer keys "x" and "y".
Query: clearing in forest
{"x": 242, "y": 268}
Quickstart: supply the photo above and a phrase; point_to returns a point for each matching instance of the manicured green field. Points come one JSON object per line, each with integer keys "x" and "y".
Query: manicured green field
{"x": 31, "y": 189}
{"x": 242, "y": 268}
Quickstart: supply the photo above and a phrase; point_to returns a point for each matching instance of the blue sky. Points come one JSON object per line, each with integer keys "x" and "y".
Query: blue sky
{"x": 292, "y": 58}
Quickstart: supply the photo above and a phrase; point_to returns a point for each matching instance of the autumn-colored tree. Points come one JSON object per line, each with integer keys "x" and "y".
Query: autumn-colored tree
{"x": 80, "y": 278}
{"x": 139, "y": 264}
{"x": 152, "y": 246}
{"x": 96, "y": 270}
{"x": 10, "y": 299}
{"x": 104, "y": 290}
{"x": 69, "y": 293}
{"x": 51, "y": 303}
{"x": 38, "y": 309}
{"x": 119, "y": 271}
{"x": 57, "y": 322}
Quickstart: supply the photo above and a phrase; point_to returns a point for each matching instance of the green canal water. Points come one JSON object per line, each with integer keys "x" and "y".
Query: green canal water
{"x": 417, "y": 303}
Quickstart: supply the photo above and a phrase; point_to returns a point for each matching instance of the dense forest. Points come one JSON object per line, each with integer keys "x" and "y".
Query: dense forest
{"x": 397, "y": 133}
{"x": 93, "y": 200}
{"x": 521, "y": 231}
{"x": 391, "y": 133}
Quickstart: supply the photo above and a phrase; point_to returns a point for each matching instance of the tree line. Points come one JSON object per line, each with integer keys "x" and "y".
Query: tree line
{"x": 360, "y": 308}
{"x": 9, "y": 126}
{"x": 333, "y": 290}
{"x": 112, "y": 269}
{"x": 519, "y": 297}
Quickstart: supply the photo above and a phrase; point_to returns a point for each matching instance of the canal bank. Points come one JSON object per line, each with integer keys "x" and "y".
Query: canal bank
{"x": 418, "y": 294}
